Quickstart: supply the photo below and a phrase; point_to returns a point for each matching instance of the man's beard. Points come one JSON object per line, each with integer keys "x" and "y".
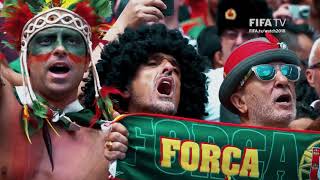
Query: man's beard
{"x": 163, "y": 107}
{"x": 154, "y": 104}
{"x": 263, "y": 115}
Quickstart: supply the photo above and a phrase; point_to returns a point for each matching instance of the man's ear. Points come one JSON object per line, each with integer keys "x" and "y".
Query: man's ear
{"x": 310, "y": 77}
{"x": 126, "y": 92}
{"x": 238, "y": 100}
{"x": 217, "y": 59}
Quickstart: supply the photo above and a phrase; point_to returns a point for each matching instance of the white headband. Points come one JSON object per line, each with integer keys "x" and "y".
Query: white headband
{"x": 55, "y": 17}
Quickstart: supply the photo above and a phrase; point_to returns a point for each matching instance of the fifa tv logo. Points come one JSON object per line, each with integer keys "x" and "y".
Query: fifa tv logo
{"x": 261, "y": 22}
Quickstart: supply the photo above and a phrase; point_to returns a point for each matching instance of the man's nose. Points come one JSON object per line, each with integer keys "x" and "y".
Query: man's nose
{"x": 168, "y": 68}
{"x": 59, "y": 50}
{"x": 239, "y": 39}
{"x": 281, "y": 80}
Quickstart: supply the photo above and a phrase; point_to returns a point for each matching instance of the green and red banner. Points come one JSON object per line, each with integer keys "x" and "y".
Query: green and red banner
{"x": 165, "y": 147}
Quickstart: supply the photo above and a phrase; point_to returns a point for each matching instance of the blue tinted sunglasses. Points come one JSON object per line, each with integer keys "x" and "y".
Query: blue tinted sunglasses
{"x": 267, "y": 72}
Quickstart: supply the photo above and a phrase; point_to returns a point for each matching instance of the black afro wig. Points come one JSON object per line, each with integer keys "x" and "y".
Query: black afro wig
{"x": 121, "y": 59}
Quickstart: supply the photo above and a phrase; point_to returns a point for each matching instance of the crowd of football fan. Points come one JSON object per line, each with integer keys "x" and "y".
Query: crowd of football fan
{"x": 206, "y": 59}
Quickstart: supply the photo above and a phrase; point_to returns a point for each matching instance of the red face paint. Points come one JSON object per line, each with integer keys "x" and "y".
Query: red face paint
{"x": 38, "y": 58}
{"x": 78, "y": 59}
{"x": 44, "y": 57}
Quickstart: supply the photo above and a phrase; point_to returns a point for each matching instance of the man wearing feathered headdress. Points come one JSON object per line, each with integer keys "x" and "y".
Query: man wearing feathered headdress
{"x": 40, "y": 136}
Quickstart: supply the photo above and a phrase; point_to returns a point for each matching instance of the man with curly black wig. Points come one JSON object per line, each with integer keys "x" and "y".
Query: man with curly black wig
{"x": 157, "y": 71}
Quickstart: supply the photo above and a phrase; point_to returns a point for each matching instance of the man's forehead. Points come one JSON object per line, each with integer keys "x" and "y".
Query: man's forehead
{"x": 316, "y": 57}
{"x": 244, "y": 32}
{"x": 277, "y": 62}
{"x": 161, "y": 56}
{"x": 238, "y": 30}
{"x": 58, "y": 30}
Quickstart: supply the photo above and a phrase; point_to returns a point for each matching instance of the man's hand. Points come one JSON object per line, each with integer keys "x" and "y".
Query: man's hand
{"x": 116, "y": 142}
{"x": 305, "y": 124}
{"x": 282, "y": 12}
{"x": 136, "y": 13}
{"x": 301, "y": 123}
{"x": 12, "y": 77}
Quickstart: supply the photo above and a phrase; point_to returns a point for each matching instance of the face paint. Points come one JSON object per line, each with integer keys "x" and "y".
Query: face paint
{"x": 45, "y": 57}
{"x": 78, "y": 59}
{"x": 51, "y": 39}
{"x": 38, "y": 58}
{"x": 57, "y": 59}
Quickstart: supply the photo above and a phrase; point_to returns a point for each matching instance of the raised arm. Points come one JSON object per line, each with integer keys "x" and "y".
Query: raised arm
{"x": 135, "y": 13}
{"x": 10, "y": 111}
{"x": 9, "y": 106}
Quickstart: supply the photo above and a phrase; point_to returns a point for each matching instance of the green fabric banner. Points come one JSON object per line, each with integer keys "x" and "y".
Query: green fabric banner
{"x": 163, "y": 147}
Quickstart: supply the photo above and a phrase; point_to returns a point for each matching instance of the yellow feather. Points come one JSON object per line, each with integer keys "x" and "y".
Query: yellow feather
{"x": 67, "y": 3}
{"x": 25, "y": 121}
{"x": 64, "y": 4}
{"x": 48, "y": 1}
{"x": 46, "y": 6}
{"x": 26, "y": 130}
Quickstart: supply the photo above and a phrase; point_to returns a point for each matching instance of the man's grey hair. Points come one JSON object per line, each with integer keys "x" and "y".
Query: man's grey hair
{"x": 312, "y": 55}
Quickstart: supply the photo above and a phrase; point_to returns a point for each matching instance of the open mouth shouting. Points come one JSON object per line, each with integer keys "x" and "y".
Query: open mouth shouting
{"x": 59, "y": 69}
{"x": 165, "y": 86}
{"x": 284, "y": 100}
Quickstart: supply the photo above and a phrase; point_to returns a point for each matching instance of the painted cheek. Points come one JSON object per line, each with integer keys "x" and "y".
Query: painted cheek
{"x": 38, "y": 58}
{"x": 78, "y": 59}
{"x": 39, "y": 49}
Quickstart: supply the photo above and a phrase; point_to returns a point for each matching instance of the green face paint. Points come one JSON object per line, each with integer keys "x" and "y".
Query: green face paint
{"x": 47, "y": 40}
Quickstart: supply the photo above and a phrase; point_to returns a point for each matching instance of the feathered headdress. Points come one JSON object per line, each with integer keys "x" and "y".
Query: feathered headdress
{"x": 19, "y": 12}
{"x": 26, "y": 18}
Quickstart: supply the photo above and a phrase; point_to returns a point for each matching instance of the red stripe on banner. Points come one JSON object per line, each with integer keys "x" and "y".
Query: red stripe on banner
{"x": 315, "y": 163}
{"x": 217, "y": 123}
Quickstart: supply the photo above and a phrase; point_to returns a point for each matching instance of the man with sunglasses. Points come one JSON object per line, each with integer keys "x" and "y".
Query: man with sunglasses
{"x": 259, "y": 83}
